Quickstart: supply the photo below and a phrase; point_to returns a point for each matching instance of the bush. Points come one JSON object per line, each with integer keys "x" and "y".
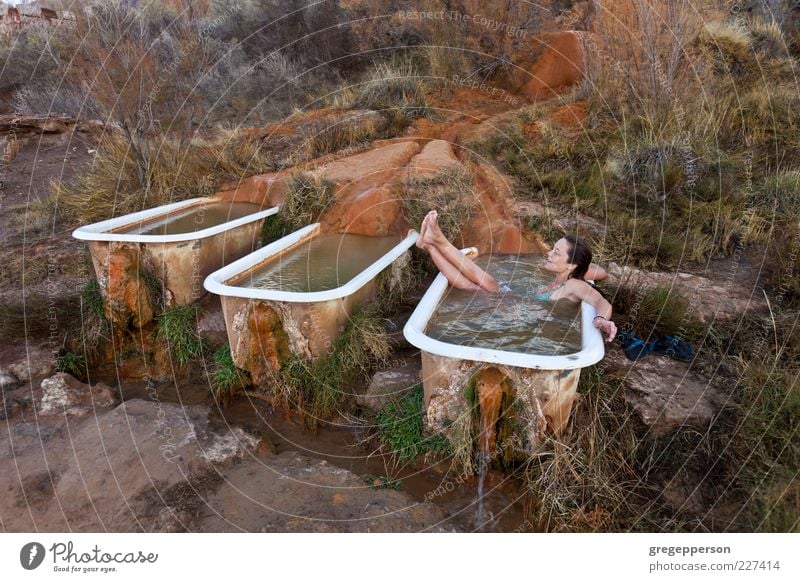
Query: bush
{"x": 72, "y": 364}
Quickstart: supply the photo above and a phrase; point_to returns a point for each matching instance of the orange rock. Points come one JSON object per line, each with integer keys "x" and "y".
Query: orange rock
{"x": 560, "y": 66}
{"x": 437, "y": 155}
{"x": 266, "y": 190}
{"x": 128, "y": 300}
{"x": 376, "y": 211}
{"x": 571, "y": 117}
{"x": 269, "y": 345}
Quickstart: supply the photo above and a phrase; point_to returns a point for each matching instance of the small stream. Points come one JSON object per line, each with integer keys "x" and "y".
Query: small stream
{"x": 501, "y": 496}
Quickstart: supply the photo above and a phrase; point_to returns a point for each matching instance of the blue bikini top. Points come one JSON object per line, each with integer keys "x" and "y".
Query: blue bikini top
{"x": 547, "y": 294}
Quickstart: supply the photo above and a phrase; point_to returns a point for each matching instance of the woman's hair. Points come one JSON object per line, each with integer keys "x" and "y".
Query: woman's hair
{"x": 579, "y": 254}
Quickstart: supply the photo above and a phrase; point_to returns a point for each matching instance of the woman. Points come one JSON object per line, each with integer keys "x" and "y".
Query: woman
{"x": 570, "y": 261}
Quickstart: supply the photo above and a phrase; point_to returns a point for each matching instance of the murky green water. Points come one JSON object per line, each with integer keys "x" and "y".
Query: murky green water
{"x": 511, "y": 320}
{"x": 193, "y": 219}
{"x": 325, "y": 262}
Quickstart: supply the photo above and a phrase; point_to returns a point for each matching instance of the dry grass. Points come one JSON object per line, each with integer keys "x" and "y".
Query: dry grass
{"x": 450, "y": 192}
{"x": 307, "y": 197}
{"x": 112, "y": 186}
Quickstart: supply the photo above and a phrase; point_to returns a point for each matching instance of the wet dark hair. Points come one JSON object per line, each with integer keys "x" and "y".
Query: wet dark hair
{"x": 579, "y": 254}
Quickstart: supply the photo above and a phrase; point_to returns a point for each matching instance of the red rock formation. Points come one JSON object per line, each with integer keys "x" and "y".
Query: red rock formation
{"x": 561, "y": 65}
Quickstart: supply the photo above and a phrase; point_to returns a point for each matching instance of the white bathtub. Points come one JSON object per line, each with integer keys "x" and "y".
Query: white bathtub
{"x": 300, "y": 323}
{"x": 545, "y": 386}
{"x": 180, "y": 261}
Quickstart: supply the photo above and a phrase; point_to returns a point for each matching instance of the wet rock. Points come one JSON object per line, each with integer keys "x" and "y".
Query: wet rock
{"x": 127, "y": 294}
{"x": 665, "y": 393}
{"x": 155, "y": 457}
{"x": 388, "y": 385}
{"x": 63, "y": 394}
{"x": 708, "y": 299}
{"x": 295, "y": 493}
{"x": 211, "y": 325}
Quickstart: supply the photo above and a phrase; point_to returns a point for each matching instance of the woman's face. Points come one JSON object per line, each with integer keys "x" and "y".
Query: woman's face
{"x": 557, "y": 260}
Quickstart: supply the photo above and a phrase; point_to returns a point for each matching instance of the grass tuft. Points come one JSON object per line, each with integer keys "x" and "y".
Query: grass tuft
{"x": 450, "y": 192}
{"x": 176, "y": 328}
{"x": 308, "y": 196}
{"x": 400, "y": 428}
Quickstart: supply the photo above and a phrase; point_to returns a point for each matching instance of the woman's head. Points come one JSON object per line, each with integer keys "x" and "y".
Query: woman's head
{"x": 569, "y": 254}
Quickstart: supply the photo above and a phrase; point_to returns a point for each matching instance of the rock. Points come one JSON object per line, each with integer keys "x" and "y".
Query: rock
{"x": 377, "y": 211}
{"x": 211, "y": 324}
{"x": 292, "y": 140}
{"x": 292, "y": 492}
{"x": 8, "y": 408}
{"x": 128, "y": 296}
{"x": 63, "y": 394}
{"x": 26, "y": 436}
{"x": 391, "y": 384}
{"x": 267, "y": 190}
{"x": 435, "y": 157}
{"x": 560, "y": 65}
{"x": 158, "y": 461}
{"x": 8, "y": 380}
{"x": 37, "y": 364}
{"x": 708, "y": 300}
{"x": 665, "y": 393}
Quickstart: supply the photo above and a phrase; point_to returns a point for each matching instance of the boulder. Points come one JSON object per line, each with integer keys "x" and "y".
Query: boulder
{"x": 435, "y": 157}
{"x": 665, "y": 393}
{"x": 560, "y": 65}
{"x": 391, "y": 384}
{"x": 708, "y": 299}
{"x": 63, "y": 394}
{"x": 38, "y": 363}
{"x": 377, "y": 211}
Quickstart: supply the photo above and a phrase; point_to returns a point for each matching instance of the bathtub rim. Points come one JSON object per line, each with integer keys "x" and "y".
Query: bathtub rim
{"x": 216, "y": 282}
{"x": 592, "y": 348}
{"x": 99, "y": 230}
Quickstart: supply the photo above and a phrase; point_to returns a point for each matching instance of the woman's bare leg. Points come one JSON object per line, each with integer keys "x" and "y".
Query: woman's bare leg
{"x": 449, "y": 270}
{"x": 435, "y": 239}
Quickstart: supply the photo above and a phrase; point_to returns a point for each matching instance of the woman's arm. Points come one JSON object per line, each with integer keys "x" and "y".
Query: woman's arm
{"x": 582, "y": 291}
{"x": 595, "y": 273}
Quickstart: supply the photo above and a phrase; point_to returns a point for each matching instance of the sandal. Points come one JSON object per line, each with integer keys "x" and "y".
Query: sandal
{"x": 634, "y": 347}
{"x": 674, "y": 347}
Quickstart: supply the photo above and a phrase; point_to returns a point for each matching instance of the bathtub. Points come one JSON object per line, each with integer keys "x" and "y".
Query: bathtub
{"x": 265, "y": 326}
{"x": 181, "y": 261}
{"x": 543, "y": 388}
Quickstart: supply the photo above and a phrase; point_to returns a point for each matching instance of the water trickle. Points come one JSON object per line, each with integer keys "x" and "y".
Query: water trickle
{"x": 193, "y": 219}
{"x": 490, "y": 399}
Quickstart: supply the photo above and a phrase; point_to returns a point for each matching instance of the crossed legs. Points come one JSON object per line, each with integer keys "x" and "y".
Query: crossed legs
{"x": 460, "y": 271}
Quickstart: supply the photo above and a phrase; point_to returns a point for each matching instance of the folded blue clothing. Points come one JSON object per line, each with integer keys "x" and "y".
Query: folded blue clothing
{"x": 673, "y": 346}
{"x": 634, "y": 347}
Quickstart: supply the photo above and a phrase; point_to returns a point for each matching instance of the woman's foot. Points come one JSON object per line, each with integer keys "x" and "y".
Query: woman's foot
{"x": 423, "y": 229}
{"x": 434, "y": 234}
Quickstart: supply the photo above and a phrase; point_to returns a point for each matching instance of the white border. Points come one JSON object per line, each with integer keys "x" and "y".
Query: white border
{"x": 216, "y": 281}
{"x": 98, "y": 230}
{"x": 592, "y": 349}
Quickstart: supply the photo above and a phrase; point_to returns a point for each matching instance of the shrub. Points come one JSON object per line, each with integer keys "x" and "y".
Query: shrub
{"x": 72, "y": 364}
{"x": 322, "y": 387}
